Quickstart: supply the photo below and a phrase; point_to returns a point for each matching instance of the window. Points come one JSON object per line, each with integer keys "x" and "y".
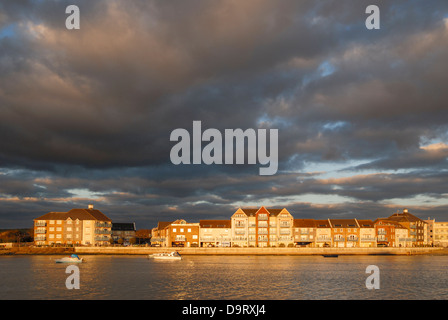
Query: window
{"x": 195, "y": 236}
{"x": 51, "y": 228}
{"x": 69, "y": 228}
{"x": 174, "y": 230}
{"x": 59, "y": 222}
{"x": 51, "y": 221}
{"x": 181, "y": 229}
{"x": 58, "y": 236}
{"x": 189, "y": 230}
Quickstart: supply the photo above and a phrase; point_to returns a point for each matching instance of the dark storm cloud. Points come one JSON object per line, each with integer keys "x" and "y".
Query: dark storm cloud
{"x": 93, "y": 109}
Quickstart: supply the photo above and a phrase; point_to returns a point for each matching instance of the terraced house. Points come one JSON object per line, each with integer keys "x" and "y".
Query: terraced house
{"x": 77, "y": 227}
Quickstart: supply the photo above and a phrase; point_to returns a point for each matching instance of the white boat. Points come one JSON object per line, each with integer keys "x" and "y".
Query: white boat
{"x": 166, "y": 256}
{"x": 72, "y": 259}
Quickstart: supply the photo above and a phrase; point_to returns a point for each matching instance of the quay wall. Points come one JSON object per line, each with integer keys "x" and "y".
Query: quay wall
{"x": 257, "y": 251}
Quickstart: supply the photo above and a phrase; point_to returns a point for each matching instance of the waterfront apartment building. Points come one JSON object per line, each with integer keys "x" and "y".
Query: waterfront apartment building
{"x": 390, "y": 233}
{"x": 262, "y": 227}
{"x": 177, "y": 233}
{"x": 350, "y": 233}
{"x": 75, "y": 227}
{"x": 304, "y": 232}
{"x": 124, "y": 232}
{"x": 416, "y": 226}
{"x": 441, "y": 234}
{"x": 324, "y": 234}
{"x": 215, "y": 233}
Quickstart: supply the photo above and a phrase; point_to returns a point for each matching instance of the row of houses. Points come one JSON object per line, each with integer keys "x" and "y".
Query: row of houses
{"x": 247, "y": 227}
{"x": 80, "y": 227}
{"x": 263, "y": 227}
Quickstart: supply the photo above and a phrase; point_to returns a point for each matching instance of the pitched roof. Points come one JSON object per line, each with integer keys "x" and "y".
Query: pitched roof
{"x": 387, "y": 221}
{"x": 251, "y": 212}
{"x": 365, "y": 223}
{"x": 322, "y": 224}
{"x": 80, "y": 214}
{"x": 344, "y": 223}
{"x": 304, "y": 223}
{"x": 215, "y": 223}
{"x": 405, "y": 216}
{"x": 123, "y": 226}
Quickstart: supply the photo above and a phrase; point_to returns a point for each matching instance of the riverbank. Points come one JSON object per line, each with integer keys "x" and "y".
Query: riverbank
{"x": 259, "y": 251}
{"x": 223, "y": 251}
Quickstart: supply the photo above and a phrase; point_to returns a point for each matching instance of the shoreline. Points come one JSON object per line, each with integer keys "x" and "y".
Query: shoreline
{"x": 224, "y": 251}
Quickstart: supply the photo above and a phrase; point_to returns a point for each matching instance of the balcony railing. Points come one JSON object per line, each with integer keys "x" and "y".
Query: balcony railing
{"x": 102, "y": 225}
{"x": 41, "y": 224}
{"x": 102, "y": 238}
{"x": 97, "y": 231}
{"x": 41, "y": 231}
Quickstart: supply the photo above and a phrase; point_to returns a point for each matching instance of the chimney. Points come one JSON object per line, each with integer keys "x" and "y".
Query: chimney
{"x": 90, "y": 206}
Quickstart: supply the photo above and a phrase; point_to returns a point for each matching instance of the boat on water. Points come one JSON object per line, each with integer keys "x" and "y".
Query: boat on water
{"x": 166, "y": 256}
{"x": 72, "y": 259}
{"x": 330, "y": 255}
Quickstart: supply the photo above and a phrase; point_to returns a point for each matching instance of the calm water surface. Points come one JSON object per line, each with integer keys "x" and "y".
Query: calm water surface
{"x": 226, "y": 277}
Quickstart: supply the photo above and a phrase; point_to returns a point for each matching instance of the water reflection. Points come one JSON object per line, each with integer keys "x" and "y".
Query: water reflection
{"x": 225, "y": 277}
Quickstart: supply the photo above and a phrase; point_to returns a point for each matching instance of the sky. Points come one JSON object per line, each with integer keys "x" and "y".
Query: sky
{"x": 86, "y": 115}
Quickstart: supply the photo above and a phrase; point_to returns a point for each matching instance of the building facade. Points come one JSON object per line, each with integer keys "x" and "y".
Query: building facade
{"x": 416, "y": 227}
{"x": 441, "y": 234}
{"x": 124, "y": 232}
{"x": 262, "y": 227}
{"x": 304, "y": 232}
{"x": 177, "y": 233}
{"x": 75, "y": 227}
{"x": 215, "y": 233}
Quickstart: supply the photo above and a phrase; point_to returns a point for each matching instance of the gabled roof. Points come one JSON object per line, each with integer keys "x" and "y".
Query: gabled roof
{"x": 251, "y": 212}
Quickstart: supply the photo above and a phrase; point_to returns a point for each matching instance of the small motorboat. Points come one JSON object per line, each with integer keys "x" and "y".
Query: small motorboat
{"x": 166, "y": 256}
{"x": 330, "y": 255}
{"x": 72, "y": 259}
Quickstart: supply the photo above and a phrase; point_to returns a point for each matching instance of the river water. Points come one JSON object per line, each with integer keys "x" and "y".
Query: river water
{"x": 225, "y": 278}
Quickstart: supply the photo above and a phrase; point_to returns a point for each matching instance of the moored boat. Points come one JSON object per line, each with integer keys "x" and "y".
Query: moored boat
{"x": 166, "y": 256}
{"x": 330, "y": 255}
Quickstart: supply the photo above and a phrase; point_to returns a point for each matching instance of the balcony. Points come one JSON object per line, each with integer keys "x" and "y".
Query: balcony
{"x": 240, "y": 232}
{"x": 41, "y": 224}
{"x": 103, "y": 225}
{"x": 102, "y": 238}
{"x": 43, "y": 231}
{"x": 97, "y": 231}
{"x": 382, "y": 232}
{"x": 241, "y": 225}
{"x": 339, "y": 239}
{"x": 262, "y": 231}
